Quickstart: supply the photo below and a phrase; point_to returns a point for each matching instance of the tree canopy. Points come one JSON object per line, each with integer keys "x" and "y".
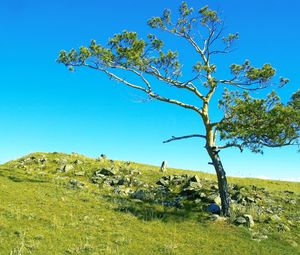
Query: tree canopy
{"x": 247, "y": 122}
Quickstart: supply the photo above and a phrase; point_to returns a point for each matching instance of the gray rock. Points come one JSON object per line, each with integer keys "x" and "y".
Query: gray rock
{"x": 195, "y": 178}
{"x": 76, "y": 184}
{"x": 163, "y": 182}
{"x": 216, "y": 217}
{"x": 249, "y": 220}
{"x": 241, "y": 220}
{"x": 141, "y": 195}
{"x": 283, "y": 228}
{"x": 106, "y": 172}
{"x": 217, "y": 200}
{"x": 78, "y": 161}
{"x": 66, "y": 168}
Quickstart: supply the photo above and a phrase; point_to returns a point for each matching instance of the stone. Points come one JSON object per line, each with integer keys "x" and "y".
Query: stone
{"x": 216, "y": 217}
{"x": 241, "y": 220}
{"x": 217, "y": 200}
{"x": 107, "y": 172}
{"x": 214, "y": 187}
{"x": 214, "y": 208}
{"x": 283, "y": 228}
{"x": 249, "y": 219}
{"x": 195, "y": 185}
{"x": 78, "y": 161}
{"x": 66, "y": 168}
{"x": 76, "y": 184}
{"x": 163, "y": 182}
{"x": 195, "y": 178}
{"x": 140, "y": 194}
{"x": 250, "y": 199}
{"x": 275, "y": 218}
{"x": 163, "y": 167}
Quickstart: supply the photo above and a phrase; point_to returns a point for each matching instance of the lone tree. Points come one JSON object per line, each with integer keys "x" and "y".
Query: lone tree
{"x": 247, "y": 122}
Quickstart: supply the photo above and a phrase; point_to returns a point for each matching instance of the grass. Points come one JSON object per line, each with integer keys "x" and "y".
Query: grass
{"x": 41, "y": 214}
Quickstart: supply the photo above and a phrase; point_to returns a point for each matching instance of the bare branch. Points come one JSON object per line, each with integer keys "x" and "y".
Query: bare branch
{"x": 230, "y": 145}
{"x": 182, "y": 85}
{"x": 147, "y": 91}
{"x": 174, "y": 138}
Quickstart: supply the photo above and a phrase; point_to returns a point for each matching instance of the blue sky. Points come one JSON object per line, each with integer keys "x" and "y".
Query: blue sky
{"x": 43, "y": 107}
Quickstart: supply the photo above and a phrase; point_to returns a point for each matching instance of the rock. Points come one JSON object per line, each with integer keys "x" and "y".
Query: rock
{"x": 163, "y": 167}
{"x": 66, "y": 168}
{"x": 76, "y": 184}
{"x": 241, "y": 220}
{"x": 214, "y": 187}
{"x": 106, "y": 172}
{"x": 141, "y": 195}
{"x": 249, "y": 220}
{"x": 78, "y": 162}
{"x": 216, "y": 217}
{"x": 275, "y": 218}
{"x": 259, "y": 237}
{"x": 195, "y": 185}
{"x": 217, "y": 200}
{"x": 250, "y": 199}
{"x": 195, "y": 178}
{"x": 283, "y": 228}
{"x": 163, "y": 182}
{"x": 214, "y": 208}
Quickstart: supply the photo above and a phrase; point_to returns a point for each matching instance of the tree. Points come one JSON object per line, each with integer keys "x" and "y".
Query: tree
{"x": 247, "y": 122}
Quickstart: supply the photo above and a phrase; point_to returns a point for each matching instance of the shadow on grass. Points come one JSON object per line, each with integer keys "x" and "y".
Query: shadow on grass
{"x": 150, "y": 210}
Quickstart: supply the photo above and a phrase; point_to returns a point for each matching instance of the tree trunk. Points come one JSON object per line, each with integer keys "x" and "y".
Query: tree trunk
{"x": 222, "y": 180}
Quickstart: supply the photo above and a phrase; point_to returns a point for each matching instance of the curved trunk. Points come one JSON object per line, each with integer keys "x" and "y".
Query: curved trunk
{"x": 222, "y": 180}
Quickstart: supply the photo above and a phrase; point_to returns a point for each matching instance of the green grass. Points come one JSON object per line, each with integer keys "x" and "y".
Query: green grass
{"x": 41, "y": 214}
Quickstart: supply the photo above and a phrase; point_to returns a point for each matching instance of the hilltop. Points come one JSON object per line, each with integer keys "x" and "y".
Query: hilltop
{"x": 56, "y": 203}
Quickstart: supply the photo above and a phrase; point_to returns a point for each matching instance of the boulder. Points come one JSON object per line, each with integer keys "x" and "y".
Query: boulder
{"x": 241, "y": 220}
{"x": 249, "y": 220}
{"x": 195, "y": 178}
{"x": 76, "y": 184}
{"x": 66, "y": 168}
{"x": 106, "y": 172}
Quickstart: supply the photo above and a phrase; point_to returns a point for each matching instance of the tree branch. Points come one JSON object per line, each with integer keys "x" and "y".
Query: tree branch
{"x": 174, "y": 138}
{"x": 230, "y": 145}
{"x": 147, "y": 91}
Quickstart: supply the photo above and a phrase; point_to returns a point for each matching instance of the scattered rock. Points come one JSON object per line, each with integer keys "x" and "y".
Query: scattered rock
{"x": 216, "y": 217}
{"x": 241, "y": 220}
{"x": 195, "y": 178}
{"x": 283, "y": 228}
{"x": 78, "y": 162}
{"x": 106, "y": 172}
{"x": 66, "y": 168}
{"x": 74, "y": 184}
{"x": 249, "y": 220}
{"x": 163, "y": 167}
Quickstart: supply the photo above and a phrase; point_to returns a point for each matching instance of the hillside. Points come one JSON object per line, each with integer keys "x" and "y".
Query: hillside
{"x": 55, "y": 203}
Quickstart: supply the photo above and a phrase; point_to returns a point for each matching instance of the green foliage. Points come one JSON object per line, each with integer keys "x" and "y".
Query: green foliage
{"x": 250, "y": 74}
{"x": 255, "y": 123}
{"x": 208, "y": 15}
{"x": 295, "y": 101}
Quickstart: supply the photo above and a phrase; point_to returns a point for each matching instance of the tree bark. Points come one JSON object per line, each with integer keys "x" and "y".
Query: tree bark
{"x": 222, "y": 180}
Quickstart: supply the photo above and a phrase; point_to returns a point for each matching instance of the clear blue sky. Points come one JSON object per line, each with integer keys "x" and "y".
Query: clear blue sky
{"x": 43, "y": 107}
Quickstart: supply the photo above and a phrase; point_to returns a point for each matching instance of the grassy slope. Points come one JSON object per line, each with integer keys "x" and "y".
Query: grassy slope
{"x": 40, "y": 215}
